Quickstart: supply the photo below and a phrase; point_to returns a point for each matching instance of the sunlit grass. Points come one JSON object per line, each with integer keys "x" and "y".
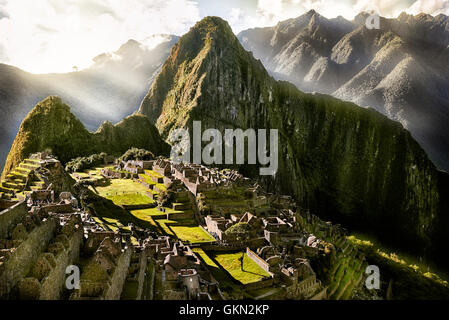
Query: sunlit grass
{"x": 226, "y": 282}
{"x": 124, "y": 192}
{"x": 404, "y": 260}
{"x": 193, "y": 234}
{"x": 250, "y": 273}
{"x": 185, "y": 230}
{"x": 130, "y": 199}
{"x": 120, "y": 186}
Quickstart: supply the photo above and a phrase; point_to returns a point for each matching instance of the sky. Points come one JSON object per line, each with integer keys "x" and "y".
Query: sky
{"x": 43, "y": 36}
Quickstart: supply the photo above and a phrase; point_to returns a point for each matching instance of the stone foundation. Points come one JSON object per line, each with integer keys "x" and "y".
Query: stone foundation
{"x": 24, "y": 256}
{"x": 10, "y": 217}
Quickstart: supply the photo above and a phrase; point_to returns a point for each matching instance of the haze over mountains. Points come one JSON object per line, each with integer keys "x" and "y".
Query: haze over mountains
{"x": 50, "y": 125}
{"x": 112, "y": 88}
{"x": 400, "y": 70}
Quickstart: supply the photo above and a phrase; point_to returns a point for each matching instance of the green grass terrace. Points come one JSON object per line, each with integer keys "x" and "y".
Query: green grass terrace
{"x": 124, "y": 192}
{"x": 185, "y": 230}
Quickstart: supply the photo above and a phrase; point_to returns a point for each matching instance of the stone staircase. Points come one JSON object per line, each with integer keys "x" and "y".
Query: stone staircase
{"x": 22, "y": 178}
{"x": 182, "y": 203}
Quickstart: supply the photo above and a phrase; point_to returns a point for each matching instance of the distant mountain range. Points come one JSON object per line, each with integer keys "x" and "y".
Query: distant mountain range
{"x": 112, "y": 88}
{"x": 401, "y": 69}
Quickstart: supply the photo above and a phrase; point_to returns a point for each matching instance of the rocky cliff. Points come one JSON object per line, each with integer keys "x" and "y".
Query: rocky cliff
{"x": 400, "y": 70}
{"x": 346, "y": 163}
{"x": 51, "y": 125}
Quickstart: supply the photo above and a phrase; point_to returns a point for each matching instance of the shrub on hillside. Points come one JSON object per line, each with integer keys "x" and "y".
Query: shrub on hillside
{"x": 239, "y": 231}
{"x": 137, "y": 154}
{"x": 83, "y": 163}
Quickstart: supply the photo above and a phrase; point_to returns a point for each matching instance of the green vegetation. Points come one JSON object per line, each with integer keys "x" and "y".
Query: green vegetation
{"x": 147, "y": 212}
{"x": 239, "y": 230}
{"x": 154, "y": 174}
{"x": 120, "y": 186}
{"x": 231, "y": 263}
{"x": 193, "y": 234}
{"x": 411, "y": 279}
{"x": 110, "y": 214}
{"x": 130, "y": 199}
{"x": 21, "y": 180}
{"x": 145, "y": 216}
{"x": 124, "y": 192}
{"x": 185, "y": 230}
{"x": 137, "y": 154}
{"x": 83, "y": 163}
{"x": 153, "y": 212}
{"x": 227, "y": 283}
{"x": 50, "y": 125}
{"x": 145, "y": 178}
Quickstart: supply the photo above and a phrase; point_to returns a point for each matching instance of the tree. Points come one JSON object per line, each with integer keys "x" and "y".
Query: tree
{"x": 137, "y": 154}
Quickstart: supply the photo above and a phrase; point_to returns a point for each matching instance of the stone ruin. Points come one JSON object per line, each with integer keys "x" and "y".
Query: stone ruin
{"x": 45, "y": 233}
{"x": 186, "y": 277}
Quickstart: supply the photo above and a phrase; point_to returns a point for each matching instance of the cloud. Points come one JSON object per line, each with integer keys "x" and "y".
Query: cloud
{"x": 3, "y": 56}
{"x": 270, "y": 12}
{"x": 46, "y": 29}
{"x": 3, "y": 13}
{"x": 433, "y": 7}
{"x": 53, "y": 35}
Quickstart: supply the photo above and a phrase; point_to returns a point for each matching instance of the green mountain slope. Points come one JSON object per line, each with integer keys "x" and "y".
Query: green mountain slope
{"x": 110, "y": 89}
{"x": 51, "y": 125}
{"x": 346, "y": 163}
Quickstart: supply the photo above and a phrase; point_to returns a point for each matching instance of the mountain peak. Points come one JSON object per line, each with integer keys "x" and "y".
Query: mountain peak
{"x": 52, "y": 125}
{"x": 213, "y": 26}
{"x": 50, "y": 106}
{"x": 209, "y": 47}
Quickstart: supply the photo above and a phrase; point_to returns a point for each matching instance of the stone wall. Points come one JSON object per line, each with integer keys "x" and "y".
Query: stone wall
{"x": 59, "y": 208}
{"x": 10, "y": 217}
{"x": 25, "y": 255}
{"x": 322, "y": 295}
{"x": 5, "y": 204}
{"x": 119, "y": 277}
{"x": 234, "y": 246}
{"x": 259, "y": 284}
{"x": 180, "y": 216}
{"x": 139, "y": 206}
{"x": 142, "y": 272}
{"x": 258, "y": 260}
{"x": 54, "y": 282}
{"x": 305, "y": 289}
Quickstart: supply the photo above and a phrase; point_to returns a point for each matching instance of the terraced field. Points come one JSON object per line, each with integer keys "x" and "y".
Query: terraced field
{"x": 22, "y": 180}
{"x": 176, "y": 221}
{"x": 124, "y": 192}
{"x": 245, "y": 273}
{"x": 185, "y": 230}
{"x": 227, "y": 283}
